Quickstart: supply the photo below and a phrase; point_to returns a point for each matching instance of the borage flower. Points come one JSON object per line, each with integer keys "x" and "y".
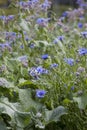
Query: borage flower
{"x": 45, "y": 56}
{"x": 24, "y": 60}
{"x": 8, "y": 18}
{"x": 84, "y": 34}
{"x": 54, "y": 65}
{"x": 40, "y": 93}
{"x": 65, "y": 14}
{"x": 35, "y": 72}
{"x": 69, "y": 61}
{"x": 59, "y": 38}
{"x": 43, "y": 22}
{"x": 82, "y": 51}
{"x": 80, "y": 25}
{"x": 6, "y": 45}
{"x": 10, "y": 36}
{"x": 45, "y": 5}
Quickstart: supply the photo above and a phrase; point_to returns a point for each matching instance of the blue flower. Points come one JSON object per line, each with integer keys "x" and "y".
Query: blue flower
{"x": 80, "y": 25}
{"x": 65, "y": 14}
{"x": 84, "y": 6}
{"x": 82, "y": 51}
{"x": 79, "y": 1}
{"x": 81, "y": 17}
{"x": 72, "y": 88}
{"x": 40, "y": 93}
{"x": 22, "y": 58}
{"x": 2, "y": 17}
{"x": 32, "y": 45}
{"x": 45, "y": 56}
{"x": 84, "y": 34}
{"x": 41, "y": 70}
{"x": 35, "y": 72}
{"x": 53, "y": 65}
{"x": 69, "y": 61}
{"x": 59, "y": 38}
{"x": 10, "y": 17}
{"x": 11, "y": 36}
{"x": 35, "y": 1}
{"x": 5, "y": 45}
{"x": 42, "y": 21}
{"x": 45, "y": 5}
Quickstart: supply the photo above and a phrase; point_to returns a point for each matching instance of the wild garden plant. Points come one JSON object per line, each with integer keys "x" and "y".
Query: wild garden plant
{"x": 43, "y": 68}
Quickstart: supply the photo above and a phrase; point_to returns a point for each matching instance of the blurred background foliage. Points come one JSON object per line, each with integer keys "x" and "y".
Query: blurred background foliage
{"x": 7, "y": 7}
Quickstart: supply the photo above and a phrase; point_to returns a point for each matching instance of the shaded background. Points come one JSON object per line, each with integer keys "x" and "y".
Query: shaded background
{"x": 58, "y": 6}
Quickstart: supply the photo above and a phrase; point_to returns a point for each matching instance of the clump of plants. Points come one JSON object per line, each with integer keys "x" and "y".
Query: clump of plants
{"x": 43, "y": 69}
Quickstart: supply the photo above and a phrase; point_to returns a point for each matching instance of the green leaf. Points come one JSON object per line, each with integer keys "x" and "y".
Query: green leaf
{"x": 82, "y": 101}
{"x": 2, "y": 125}
{"x": 55, "y": 114}
{"x": 7, "y": 108}
{"x": 27, "y": 101}
{"x": 26, "y": 83}
{"x": 24, "y": 25}
{"x": 5, "y": 84}
{"x": 17, "y": 118}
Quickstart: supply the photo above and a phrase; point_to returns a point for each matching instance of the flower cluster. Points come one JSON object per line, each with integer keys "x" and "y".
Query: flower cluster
{"x": 5, "y": 45}
{"x": 43, "y": 22}
{"x": 28, "y": 4}
{"x": 8, "y": 18}
{"x": 44, "y": 6}
{"x": 35, "y": 72}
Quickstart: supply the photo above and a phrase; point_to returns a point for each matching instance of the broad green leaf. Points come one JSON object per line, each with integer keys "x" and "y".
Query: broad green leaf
{"x": 55, "y": 114}
{"x": 7, "y": 108}
{"x": 82, "y": 101}
{"x": 26, "y": 83}
{"x": 26, "y": 99}
{"x": 5, "y": 84}
{"x": 17, "y": 118}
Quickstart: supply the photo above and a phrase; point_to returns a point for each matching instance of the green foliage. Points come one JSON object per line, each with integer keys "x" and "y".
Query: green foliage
{"x": 23, "y": 71}
{"x": 81, "y": 100}
{"x": 55, "y": 114}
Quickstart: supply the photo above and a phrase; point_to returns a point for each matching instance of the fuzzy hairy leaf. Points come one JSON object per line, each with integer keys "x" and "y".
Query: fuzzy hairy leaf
{"x": 82, "y": 101}
{"x": 17, "y": 118}
{"x": 24, "y": 25}
{"x": 26, "y": 99}
{"x": 55, "y": 114}
{"x": 26, "y": 83}
{"x": 5, "y": 84}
